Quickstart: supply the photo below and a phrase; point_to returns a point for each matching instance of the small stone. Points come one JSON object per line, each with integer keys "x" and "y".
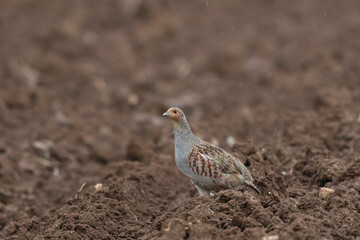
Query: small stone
{"x": 103, "y": 88}
{"x": 43, "y": 148}
{"x": 61, "y": 118}
{"x": 28, "y": 75}
{"x": 56, "y": 172}
{"x": 271, "y": 237}
{"x": 230, "y": 141}
{"x": 98, "y": 187}
{"x": 133, "y": 99}
{"x": 324, "y": 192}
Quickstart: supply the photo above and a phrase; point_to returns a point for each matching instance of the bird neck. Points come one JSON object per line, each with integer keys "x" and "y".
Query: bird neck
{"x": 182, "y": 128}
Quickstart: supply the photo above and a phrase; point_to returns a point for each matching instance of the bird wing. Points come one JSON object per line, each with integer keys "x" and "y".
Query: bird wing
{"x": 209, "y": 160}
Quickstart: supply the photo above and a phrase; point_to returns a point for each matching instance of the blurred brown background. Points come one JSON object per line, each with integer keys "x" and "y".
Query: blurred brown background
{"x": 83, "y": 85}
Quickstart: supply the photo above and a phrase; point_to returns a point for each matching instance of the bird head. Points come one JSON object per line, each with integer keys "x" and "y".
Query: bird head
{"x": 179, "y": 120}
{"x": 174, "y": 114}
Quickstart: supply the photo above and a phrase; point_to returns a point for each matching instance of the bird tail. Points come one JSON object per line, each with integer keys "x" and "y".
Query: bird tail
{"x": 251, "y": 185}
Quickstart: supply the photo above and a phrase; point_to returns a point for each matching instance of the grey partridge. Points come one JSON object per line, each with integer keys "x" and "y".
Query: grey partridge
{"x": 209, "y": 167}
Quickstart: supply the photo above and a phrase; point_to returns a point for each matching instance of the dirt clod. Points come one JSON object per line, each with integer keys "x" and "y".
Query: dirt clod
{"x": 134, "y": 151}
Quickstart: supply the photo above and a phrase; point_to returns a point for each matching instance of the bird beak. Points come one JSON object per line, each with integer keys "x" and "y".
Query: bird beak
{"x": 166, "y": 114}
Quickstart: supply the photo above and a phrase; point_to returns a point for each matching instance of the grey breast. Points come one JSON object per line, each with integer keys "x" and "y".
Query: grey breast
{"x": 183, "y": 147}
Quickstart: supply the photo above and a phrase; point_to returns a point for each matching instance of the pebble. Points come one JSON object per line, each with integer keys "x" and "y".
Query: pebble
{"x": 61, "y": 118}
{"x": 98, "y": 187}
{"x": 324, "y": 192}
{"x": 133, "y": 99}
{"x": 230, "y": 141}
{"x": 271, "y": 237}
{"x": 43, "y": 147}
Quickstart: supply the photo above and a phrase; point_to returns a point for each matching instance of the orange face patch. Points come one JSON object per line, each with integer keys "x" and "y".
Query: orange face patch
{"x": 175, "y": 117}
{"x": 175, "y": 114}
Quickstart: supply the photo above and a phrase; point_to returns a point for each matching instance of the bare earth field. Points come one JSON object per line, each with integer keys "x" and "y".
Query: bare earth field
{"x": 83, "y": 85}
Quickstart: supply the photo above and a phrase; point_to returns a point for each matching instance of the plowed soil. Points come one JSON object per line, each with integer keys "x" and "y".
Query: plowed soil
{"x": 83, "y": 85}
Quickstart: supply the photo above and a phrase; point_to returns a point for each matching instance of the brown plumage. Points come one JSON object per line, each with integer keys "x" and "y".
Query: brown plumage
{"x": 209, "y": 167}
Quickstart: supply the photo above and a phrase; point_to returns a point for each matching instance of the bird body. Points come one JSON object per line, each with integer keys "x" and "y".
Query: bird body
{"x": 209, "y": 167}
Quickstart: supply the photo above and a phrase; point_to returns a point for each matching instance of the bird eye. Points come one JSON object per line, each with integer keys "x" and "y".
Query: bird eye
{"x": 175, "y": 111}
